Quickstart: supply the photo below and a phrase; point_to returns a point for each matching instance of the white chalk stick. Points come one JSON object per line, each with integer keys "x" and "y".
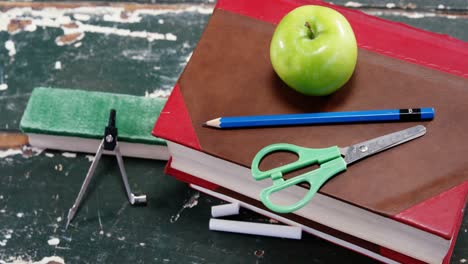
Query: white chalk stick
{"x": 225, "y": 210}
{"x": 293, "y": 232}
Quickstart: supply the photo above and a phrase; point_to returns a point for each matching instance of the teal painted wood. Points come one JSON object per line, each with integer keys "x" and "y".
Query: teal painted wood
{"x": 98, "y": 62}
{"x": 37, "y": 190}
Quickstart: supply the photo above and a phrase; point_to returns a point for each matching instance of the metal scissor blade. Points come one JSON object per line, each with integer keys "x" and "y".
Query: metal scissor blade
{"x": 367, "y": 148}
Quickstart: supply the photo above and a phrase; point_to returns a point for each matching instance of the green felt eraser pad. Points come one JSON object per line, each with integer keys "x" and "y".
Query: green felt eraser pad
{"x": 69, "y": 119}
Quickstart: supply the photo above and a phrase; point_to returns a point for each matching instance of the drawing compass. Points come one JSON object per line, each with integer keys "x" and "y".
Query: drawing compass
{"x": 108, "y": 145}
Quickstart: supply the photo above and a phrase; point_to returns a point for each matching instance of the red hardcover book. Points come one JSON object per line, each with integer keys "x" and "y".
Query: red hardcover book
{"x": 403, "y": 205}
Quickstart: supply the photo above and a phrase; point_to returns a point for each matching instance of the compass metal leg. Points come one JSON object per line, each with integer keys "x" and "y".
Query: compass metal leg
{"x": 84, "y": 186}
{"x": 134, "y": 199}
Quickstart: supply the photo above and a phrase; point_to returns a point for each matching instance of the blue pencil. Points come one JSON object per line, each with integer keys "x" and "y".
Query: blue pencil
{"x": 411, "y": 114}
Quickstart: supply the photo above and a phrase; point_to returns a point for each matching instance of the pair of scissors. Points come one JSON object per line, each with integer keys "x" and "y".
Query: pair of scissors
{"x": 332, "y": 161}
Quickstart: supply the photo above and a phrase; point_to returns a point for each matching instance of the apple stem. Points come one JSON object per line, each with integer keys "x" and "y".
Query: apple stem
{"x": 311, "y": 32}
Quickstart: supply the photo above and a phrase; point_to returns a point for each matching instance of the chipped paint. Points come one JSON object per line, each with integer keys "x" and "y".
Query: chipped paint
{"x": 171, "y": 37}
{"x": 10, "y": 152}
{"x": 71, "y": 20}
{"x": 174, "y": 218}
{"x": 188, "y": 57}
{"x": 58, "y": 167}
{"x": 82, "y": 17}
{"x": 122, "y": 17}
{"x": 10, "y": 46}
{"x": 58, "y": 65}
{"x": 192, "y": 202}
{"x": 53, "y": 241}
{"x": 408, "y": 14}
{"x": 158, "y": 93}
{"x": 69, "y": 39}
{"x": 28, "y": 151}
{"x": 353, "y": 4}
{"x": 16, "y": 25}
{"x": 200, "y": 9}
{"x": 90, "y": 158}
{"x": 409, "y": 10}
{"x": 150, "y": 36}
{"x": 259, "y": 253}
{"x": 69, "y": 155}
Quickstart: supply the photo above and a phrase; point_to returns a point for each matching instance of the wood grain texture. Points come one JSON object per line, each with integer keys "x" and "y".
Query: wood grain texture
{"x": 12, "y": 140}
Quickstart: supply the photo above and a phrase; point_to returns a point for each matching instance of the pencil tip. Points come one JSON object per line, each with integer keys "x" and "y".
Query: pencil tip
{"x": 213, "y": 123}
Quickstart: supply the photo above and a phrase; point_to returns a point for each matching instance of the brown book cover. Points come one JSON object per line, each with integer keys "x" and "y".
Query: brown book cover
{"x": 230, "y": 74}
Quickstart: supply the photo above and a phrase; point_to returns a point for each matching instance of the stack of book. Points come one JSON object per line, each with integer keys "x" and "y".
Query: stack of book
{"x": 403, "y": 205}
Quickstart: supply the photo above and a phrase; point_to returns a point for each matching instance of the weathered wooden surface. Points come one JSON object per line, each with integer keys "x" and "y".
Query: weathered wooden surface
{"x": 37, "y": 188}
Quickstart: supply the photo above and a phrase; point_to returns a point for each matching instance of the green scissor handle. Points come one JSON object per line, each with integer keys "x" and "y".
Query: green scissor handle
{"x": 330, "y": 160}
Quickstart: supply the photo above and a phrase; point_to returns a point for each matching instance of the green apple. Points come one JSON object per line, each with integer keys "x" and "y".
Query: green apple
{"x": 313, "y": 50}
